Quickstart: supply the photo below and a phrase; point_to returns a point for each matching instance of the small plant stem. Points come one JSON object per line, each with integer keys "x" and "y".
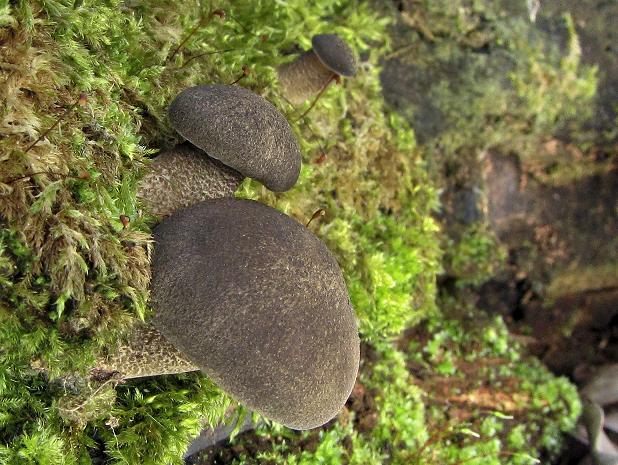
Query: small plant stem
{"x": 84, "y": 175}
{"x": 203, "y": 22}
{"x": 245, "y": 72}
{"x": 80, "y": 101}
{"x": 213, "y": 52}
{"x": 322, "y": 151}
{"x": 318, "y": 213}
{"x": 399, "y": 51}
{"x": 432, "y": 439}
{"x": 484, "y": 456}
{"x": 243, "y": 27}
{"x": 324, "y": 87}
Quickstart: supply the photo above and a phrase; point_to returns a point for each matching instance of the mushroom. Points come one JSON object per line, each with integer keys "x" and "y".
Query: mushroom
{"x": 259, "y": 304}
{"x": 231, "y": 133}
{"x": 314, "y": 70}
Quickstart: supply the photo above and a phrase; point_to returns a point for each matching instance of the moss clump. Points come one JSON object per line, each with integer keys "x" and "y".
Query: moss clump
{"x": 77, "y": 277}
{"x": 147, "y": 421}
{"x": 475, "y": 256}
{"x": 572, "y": 281}
{"x": 87, "y": 274}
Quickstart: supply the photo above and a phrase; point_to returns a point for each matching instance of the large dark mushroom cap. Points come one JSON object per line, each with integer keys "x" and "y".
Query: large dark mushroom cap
{"x": 335, "y": 54}
{"x": 259, "y": 303}
{"x": 241, "y": 129}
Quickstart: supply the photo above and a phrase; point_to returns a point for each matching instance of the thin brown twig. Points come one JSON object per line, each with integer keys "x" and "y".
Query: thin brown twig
{"x": 245, "y": 72}
{"x": 212, "y": 52}
{"x": 243, "y": 27}
{"x": 399, "y": 51}
{"x": 83, "y": 175}
{"x": 433, "y": 438}
{"x": 80, "y": 101}
{"x": 317, "y": 139}
{"x": 318, "y": 213}
{"x": 203, "y": 22}
{"x": 484, "y": 456}
{"x": 322, "y": 90}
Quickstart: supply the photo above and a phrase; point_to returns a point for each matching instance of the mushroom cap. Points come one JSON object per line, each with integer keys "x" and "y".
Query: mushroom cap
{"x": 335, "y": 54}
{"x": 241, "y": 129}
{"x": 259, "y": 303}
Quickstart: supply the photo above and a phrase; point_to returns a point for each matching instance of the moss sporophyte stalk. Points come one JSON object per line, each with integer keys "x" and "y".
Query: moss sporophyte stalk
{"x": 74, "y": 276}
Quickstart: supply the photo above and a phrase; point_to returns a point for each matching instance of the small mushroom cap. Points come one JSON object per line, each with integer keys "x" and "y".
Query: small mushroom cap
{"x": 259, "y": 303}
{"x": 242, "y": 130}
{"x": 335, "y": 54}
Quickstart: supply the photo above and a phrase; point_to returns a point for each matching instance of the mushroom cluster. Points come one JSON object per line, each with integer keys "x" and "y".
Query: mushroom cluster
{"x": 240, "y": 290}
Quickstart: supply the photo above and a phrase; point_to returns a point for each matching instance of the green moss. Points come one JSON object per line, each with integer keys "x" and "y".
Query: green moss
{"x": 475, "y": 256}
{"x": 152, "y": 421}
{"x": 426, "y": 416}
{"x": 76, "y": 279}
{"x": 390, "y": 268}
{"x": 572, "y": 281}
{"x": 521, "y": 400}
{"x": 147, "y": 421}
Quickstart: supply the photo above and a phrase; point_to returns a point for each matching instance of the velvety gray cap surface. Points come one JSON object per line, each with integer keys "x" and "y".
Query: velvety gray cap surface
{"x": 260, "y": 305}
{"x": 241, "y": 129}
{"x": 334, "y": 53}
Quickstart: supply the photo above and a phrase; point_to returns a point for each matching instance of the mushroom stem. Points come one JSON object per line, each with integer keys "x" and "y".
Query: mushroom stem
{"x": 304, "y": 77}
{"x": 145, "y": 353}
{"x": 183, "y": 176}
